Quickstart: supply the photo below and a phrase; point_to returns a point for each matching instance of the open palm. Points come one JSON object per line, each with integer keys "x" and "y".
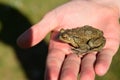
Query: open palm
{"x": 60, "y": 63}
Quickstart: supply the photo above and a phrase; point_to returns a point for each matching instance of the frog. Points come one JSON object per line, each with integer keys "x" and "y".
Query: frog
{"x": 83, "y": 40}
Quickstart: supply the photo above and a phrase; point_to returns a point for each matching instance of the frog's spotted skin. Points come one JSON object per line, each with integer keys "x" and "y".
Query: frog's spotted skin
{"x": 83, "y": 39}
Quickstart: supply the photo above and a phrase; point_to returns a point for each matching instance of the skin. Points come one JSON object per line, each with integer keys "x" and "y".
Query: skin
{"x": 60, "y": 64}
{"x": 81, "y": 44}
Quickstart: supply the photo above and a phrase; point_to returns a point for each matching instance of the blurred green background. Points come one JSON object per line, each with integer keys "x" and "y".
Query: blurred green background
{"x": 28, "y": 64}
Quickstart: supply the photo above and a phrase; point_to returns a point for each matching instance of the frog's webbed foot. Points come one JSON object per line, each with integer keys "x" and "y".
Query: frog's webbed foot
{"x": 79, "y": 52}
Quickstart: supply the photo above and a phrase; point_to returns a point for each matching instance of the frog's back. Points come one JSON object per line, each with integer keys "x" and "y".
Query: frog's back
{"x": 88, "y": 32}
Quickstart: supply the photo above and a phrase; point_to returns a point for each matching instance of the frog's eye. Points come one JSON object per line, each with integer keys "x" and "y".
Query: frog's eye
{"x": 62, "y": 30}
{"x": 65, "y": 36}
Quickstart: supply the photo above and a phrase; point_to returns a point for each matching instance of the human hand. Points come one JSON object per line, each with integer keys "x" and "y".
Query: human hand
{"x": 60, "y": 63}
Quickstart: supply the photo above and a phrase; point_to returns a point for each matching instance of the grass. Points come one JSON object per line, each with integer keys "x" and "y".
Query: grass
{"x": 9, "y": 66}
{"x": 18, "y": 64}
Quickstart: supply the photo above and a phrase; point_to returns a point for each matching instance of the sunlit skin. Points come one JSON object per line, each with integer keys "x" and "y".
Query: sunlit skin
{"x": 61, "y": 64}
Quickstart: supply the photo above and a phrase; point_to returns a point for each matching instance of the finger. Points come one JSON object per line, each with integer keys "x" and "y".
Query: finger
{"x": 87, "y": 67}
{"x": 53, "y": 65}
{"x": 104, "y": 58}
{"x": 38, "y": 31}
{"x": 103, "y": 62}
{"x": 70, "y": 68}
{"x": 56, "y": 55}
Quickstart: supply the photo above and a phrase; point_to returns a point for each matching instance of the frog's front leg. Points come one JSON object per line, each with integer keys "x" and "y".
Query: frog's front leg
{"x": 77, "y": 52}
{"x": 82, "y": 50}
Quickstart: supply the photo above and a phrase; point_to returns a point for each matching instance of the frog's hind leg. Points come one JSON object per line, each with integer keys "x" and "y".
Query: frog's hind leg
{"x": 97, "y": 44}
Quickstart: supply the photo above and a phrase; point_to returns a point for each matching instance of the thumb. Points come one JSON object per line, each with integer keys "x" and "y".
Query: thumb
{"x": 37, "y": 32}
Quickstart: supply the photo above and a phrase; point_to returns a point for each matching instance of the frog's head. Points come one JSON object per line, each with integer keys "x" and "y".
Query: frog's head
{"x": 67, "y": 37}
